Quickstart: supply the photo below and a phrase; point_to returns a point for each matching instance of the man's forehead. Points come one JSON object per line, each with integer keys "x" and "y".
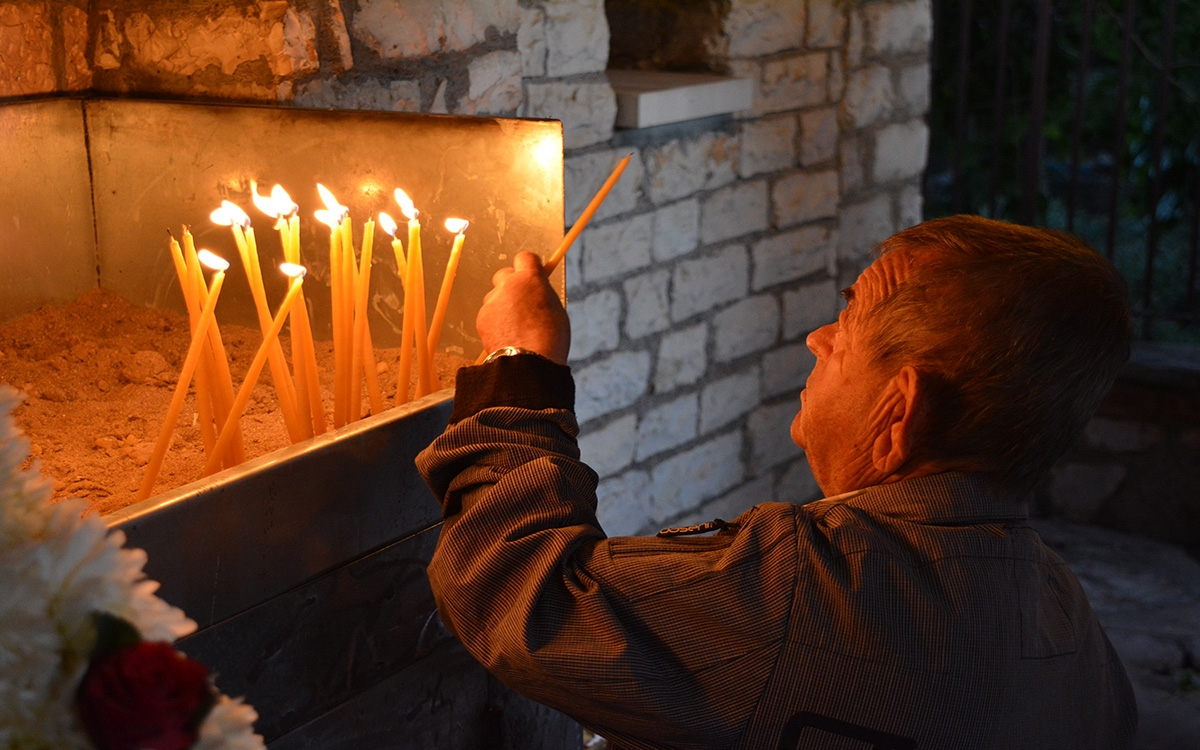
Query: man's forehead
{"x": 882, "y": 278}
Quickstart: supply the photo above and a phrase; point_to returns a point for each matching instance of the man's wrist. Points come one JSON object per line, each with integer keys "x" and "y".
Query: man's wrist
{"x": 510, "y": 351}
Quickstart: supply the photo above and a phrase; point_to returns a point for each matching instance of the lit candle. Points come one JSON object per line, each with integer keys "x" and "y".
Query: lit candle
{"x": 332, "y": 216}
{"x": 203, "y": 372}
{"x": 214, "y": 357}
{"x": 352, "y": 381}
{"x": 388, "y": 224}
{"x": 414, "y": 291}
{"x": 260, "y": 358}
{"x": 307, "y": 386}
{"x": 362, "y": 332}
{"x": 207, "y": 315}
{"x": 230, "y": 214}
{"x": 459, "y": 226}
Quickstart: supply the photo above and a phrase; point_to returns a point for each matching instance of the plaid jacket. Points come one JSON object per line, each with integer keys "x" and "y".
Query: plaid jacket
{"x": 926, "y": 609}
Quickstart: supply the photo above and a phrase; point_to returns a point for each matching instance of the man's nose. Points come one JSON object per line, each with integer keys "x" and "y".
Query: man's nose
{"x": 820, "y": 340}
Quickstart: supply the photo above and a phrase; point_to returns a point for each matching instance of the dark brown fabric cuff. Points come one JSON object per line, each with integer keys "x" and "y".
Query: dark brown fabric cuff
{"x": 524, "y": 380}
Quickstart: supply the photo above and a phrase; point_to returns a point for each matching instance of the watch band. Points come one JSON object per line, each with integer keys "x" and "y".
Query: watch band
{"x": 509, "y": 351}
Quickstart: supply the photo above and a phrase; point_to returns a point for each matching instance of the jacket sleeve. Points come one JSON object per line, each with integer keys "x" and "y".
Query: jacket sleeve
{"x": 646, "y": 640}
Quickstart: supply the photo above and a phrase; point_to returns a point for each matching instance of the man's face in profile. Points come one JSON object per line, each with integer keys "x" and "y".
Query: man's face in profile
{"x": 842, "y": 397}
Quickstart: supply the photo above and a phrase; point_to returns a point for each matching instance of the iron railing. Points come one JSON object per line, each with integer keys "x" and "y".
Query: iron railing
{"x": 1083, "y": 116}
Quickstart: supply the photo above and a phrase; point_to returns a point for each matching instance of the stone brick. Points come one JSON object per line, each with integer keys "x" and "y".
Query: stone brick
{"x": 836, "y": 83}
{"x": 734, "y": 211}
{"x": 595, "y": 323}
{"x": 332, "y": 93}
{"x": 26, "y": 49}
{"x": 911, "y": 207}
{"x": 609, "y": 449}
{"x": 704, "y": 283}
{"x": 808, "y": 308}
{"x": 611, "y": 383}
{"x": 861, "y": 226}
{"x": 616, "y": 248}
{"x": 676, "y": 229}
{"x": 623, "y": 504}
{"x": 584, "y": 174}
{"x": 648, "y": 301}
{"x": 805, "y": 196}
{"x": 78, "y": 74}
{"x": 573, "y": 270}
{"x": 682, "y": 358}
{"x": 1079, "y": 491}
{"x": 818, "y": 136}
{"x": 794, "y": 82}
{"x": 733, "y": 503}
{"x": 785, "y": 369}
{"x": 767, "y": 146}
{"x": 914, "y": 89}
{"x": 790, "y": 256}
{"x": 769, "y": 428}
{"x": 1121, "y": 435}
{"x": 680, "y": 168}
{"x": 405, "y": 29}
{"x": 576, "y": 37}
{"x": 728, "y": 399}
{"x": 587, "y": 109}
{"x": 797, "y": 485}
{"x": 531, "y": 41}
{"x": 869, "y": 97}
{"x": 185, "y": 44}
{"x": 901, "y": 150}
{"x": 494, "y": 85}
{"x": 898, "y": 27}
{"x": 855, "y": 40}
{"x": 851, "y": 173}
{"x": 686, "y": 480}
{"x": 337, "y": 26}
{"x": 754, "y": 28}
{"x": 826, "y": 24}
{"x": 747, "y": 326}
{"x": 107, "y": 55}
{"x": 667, "y": 426}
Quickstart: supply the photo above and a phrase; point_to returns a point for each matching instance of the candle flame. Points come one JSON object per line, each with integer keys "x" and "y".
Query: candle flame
{"x": 230, "y": 213}
{"x": 387, "y": 223}
{"x": 212, "y": 260}
{"x": 263, "y": 203}
{"x": 336, "y": 210}
{"x": 406, "y": 205}
{"x": 293, "y": 270}
{"x": 283, "y": 202}
{"x": 222, "y": 217}
{"x": 328, "y": 218}
{"x": 457, "y": 226}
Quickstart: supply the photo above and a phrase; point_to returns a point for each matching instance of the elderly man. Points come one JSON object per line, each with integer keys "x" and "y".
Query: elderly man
{"x": 912, "y": 607}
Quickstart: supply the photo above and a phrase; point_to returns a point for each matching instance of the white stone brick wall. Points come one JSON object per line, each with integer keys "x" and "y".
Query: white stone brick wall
{"x": 723, "y": 245}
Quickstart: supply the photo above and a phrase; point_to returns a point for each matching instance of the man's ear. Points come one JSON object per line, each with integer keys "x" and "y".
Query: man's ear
{"x": 899, "y": 422}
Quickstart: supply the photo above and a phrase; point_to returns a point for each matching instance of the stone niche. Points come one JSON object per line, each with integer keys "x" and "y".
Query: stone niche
{"x": 304, "y": 568}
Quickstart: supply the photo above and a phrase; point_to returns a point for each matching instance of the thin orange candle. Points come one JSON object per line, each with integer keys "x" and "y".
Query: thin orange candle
{"x": 260, "y": 358}
{"x": 207, "y": 315}
{"x": 388, "y": 224}
{"x": 332, "y": 216}
{"x": 459, "y": 227}
{"x": 204, "y": 403}
{"x": 352, "y": 381}
{"x": 586, "y": 216}
{"x": 230, "y": 214}
{"x": 362, "y": 284}
{"x": 415, "y": 288}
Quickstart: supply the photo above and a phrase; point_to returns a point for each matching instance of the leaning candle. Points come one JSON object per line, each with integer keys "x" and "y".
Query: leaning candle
{"x": 230, "y": 214}
{"x": 388, "y": 224}
{"x": 459, "y": 226}
{"x": 207, "y": 316}
{"x": 362, "y": 284}
{"x": 204, "y": 402}
{"x": 332, "y": 216}
{"x": 586, "y": 216}
{"x": 260, "y": 357}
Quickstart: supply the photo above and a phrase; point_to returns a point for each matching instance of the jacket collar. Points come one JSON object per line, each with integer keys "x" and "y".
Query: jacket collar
{"x": 951, "y": 498}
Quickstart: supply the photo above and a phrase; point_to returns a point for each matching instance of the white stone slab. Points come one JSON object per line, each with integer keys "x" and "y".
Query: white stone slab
{"x": 646, "y": 98}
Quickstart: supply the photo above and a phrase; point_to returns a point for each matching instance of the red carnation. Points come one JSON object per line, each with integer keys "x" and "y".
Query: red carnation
{"x": 145, "y": 696}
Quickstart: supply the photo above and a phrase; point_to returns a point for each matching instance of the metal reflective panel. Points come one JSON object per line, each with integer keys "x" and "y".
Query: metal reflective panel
{"x": 47, "y": 246}
{"x": 159, "y": 165}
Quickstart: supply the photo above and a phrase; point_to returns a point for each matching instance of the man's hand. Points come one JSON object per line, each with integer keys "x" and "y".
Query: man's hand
{"x": 523, "y": 310}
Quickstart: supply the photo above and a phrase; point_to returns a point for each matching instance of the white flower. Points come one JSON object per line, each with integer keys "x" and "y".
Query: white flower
{"x": 229, "y": 726}
{"x": 60, "y": 564}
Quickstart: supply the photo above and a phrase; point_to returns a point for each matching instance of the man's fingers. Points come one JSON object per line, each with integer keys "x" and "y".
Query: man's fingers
{"x": 527, "y": 261}
{"x": 500, "y": 276}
